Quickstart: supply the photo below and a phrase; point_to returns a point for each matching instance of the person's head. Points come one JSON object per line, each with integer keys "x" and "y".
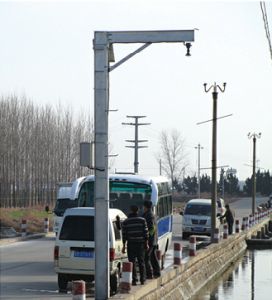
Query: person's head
{"x": 227, "y": 206}
{"x": 147, "y": 205}
{"x": 134, "y": 209}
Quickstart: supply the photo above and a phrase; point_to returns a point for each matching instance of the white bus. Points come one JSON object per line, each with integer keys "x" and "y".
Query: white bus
{"x": 126, "y": 190}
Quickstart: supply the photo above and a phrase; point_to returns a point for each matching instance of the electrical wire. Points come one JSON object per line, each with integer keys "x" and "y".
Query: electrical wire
{"x": 266, "y": 26}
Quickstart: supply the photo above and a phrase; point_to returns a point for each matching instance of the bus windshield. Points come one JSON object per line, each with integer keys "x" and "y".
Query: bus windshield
{"x": 123, "y": 194}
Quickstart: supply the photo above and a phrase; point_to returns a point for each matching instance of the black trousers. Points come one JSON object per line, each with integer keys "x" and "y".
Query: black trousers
{"x": 151, "y": 262}
{"x": 230, "y": 227}
{"x": 135, "y": 252}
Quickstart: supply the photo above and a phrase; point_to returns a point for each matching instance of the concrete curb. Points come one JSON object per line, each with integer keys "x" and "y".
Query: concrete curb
{"x": 6, "y": 241}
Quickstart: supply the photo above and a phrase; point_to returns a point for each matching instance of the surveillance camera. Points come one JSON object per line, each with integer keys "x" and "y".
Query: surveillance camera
{"x": 188, "y": 46}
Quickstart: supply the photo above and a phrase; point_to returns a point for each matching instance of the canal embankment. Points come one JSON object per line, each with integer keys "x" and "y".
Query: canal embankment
{"x": 184, "y": 281}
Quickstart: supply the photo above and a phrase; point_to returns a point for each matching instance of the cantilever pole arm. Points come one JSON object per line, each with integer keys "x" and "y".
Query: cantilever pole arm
{"x": 156, "y": 36}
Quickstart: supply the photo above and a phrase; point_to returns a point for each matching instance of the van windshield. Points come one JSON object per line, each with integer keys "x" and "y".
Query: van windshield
{"x": 198, "y": 209}
{"x": 62, "y": 205}
{"x": 77, "y": 228}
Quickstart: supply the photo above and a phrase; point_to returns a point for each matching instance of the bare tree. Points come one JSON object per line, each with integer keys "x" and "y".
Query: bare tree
{"x": 39, "y": 148}
{"x": 172, "y": 156}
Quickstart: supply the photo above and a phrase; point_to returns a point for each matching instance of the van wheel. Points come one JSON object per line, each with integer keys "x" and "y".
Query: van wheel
{"x": 114, "y": 282}
{"x": 62, "y": 283}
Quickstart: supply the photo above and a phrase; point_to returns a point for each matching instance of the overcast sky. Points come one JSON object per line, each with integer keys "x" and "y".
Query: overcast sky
{"x": 46, "y": 54}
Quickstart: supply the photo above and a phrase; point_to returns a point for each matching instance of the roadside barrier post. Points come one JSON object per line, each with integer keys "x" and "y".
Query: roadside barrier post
{"x": 216, "y": 235}
{"x": 250, "y": 221}
{"x": 177, "y": 254}
{"x": 225, "y": 233}
{"x": 23, "y": 228}
{"x": 126, "y": 280}
{"x": 237, "y": 226}
{"x": 78, "y": 290}
{"x": 192, "y": 246}
{"x": 46, "y": 225}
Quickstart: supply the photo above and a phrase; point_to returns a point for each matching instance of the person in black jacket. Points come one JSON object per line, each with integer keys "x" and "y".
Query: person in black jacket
{"x": 229, "y": 216}
{"x": 135, "y": 234}
{"x": 151, "y": 260}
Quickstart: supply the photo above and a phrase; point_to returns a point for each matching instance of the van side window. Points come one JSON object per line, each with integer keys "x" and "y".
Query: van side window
{"x": 117, "y": 232}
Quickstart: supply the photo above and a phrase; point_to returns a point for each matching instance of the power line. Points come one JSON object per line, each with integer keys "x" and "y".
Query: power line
{"x": 266, "y": 26}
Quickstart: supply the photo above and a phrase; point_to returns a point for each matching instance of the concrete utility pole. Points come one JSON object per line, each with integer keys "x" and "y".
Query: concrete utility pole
{"x": 136, "y": 141}
{"x": 214, "y": 152}
{"x": 254, "y": 136}
{"x": 103, "y": 56}
{"x": 198, "y": 171}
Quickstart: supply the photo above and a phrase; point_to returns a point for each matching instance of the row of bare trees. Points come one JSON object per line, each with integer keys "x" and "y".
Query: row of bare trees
{"x": 39, "y": 148}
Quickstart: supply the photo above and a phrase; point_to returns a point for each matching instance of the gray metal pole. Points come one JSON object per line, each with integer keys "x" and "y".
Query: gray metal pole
{"x": 101, "y": 186}
{"x": 214, "y": 162}
{"x": 198, "y": 171}
{"x": 136, "y": 162}
{"x": 254, "y": 177}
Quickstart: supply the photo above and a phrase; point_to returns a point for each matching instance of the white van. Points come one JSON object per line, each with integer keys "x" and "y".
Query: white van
{"x": 74, "y": 254}
{"x": 197, "y": 217}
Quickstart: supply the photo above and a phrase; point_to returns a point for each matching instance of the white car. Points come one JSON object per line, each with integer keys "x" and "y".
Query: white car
{"x": 197, "y": 218}
{"x": 74, "y": 253}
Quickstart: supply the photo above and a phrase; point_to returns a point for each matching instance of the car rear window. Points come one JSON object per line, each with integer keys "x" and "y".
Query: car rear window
{"x": 77, "y": 228}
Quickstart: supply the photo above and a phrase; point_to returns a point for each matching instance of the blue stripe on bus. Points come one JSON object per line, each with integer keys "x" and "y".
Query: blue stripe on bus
{"x": 164, "y": 225}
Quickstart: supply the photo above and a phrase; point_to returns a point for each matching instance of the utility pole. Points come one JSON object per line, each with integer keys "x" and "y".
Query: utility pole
{"x": 198, "y": 171}
{"x": 136, "y": 141}
{"x": 214, "y": 152}
{"x": 254, "y": 136}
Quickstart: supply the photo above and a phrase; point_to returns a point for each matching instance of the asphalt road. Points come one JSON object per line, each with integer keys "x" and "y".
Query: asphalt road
{"x": 27, "y": 267}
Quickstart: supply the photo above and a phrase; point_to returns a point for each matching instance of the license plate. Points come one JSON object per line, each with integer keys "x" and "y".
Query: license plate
{"x": 198, "y": 229}
{"x": 85, "y": 254}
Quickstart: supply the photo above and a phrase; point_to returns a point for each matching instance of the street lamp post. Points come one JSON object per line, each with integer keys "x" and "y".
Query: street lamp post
{"x": 214, "y": 152}
{"x": 198, "y": 169}
{"x": 254, "y": 136}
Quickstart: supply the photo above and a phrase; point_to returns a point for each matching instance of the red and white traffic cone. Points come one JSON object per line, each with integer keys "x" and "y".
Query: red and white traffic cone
{"x": 78, "y": 290}
{"x": 23, "y": 228}
{"x": 177, "y": 253}
{"x": 126, "y": 280}
{"x": 216, "y": 235}
{"x": 46, "y": 225}
{"x": 237, "y": 226}
{"x": 192, "y": 246}
{"x": 225, "y": 232}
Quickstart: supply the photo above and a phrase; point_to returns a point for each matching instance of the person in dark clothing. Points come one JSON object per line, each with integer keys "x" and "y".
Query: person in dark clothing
{"x": 151, "y": 260}
{"x": 229, "y": 216}
{"x": 135, "y": 234}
